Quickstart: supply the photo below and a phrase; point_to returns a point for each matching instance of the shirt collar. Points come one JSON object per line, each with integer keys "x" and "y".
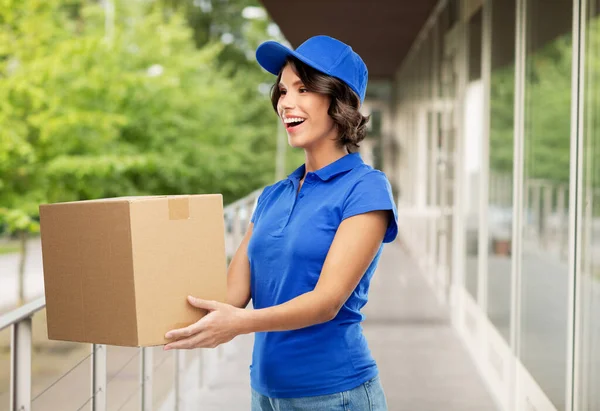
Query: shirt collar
{"x": 342, "y": 165}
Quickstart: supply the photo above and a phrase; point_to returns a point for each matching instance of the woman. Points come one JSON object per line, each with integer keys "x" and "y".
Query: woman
{"x": 312, "y": 246}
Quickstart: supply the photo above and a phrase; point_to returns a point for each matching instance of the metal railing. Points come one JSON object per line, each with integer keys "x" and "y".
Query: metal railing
{"x": 189, "y": 373}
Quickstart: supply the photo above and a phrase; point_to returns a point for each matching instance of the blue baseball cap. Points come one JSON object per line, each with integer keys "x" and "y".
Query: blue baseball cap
{"x": 323, "y": 53}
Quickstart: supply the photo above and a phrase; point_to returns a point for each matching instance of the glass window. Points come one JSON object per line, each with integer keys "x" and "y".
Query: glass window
{"x": 544, "y": 268}
{"x": 431, "y": 159}
{"x": 376, "y": 134}
{"x": 473, "y": 117}
{"x": 501, "y": 146}
{"x": 440, "y": 31}
{"x": 453, "y": 11}
{"x": 589, "y": 298}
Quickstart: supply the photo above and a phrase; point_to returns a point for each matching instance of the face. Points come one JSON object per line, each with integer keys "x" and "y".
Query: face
{"x": 304, "y": 113}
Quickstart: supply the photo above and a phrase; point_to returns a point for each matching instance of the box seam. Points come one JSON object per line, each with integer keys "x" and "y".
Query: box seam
{"x": 137, "y": 335}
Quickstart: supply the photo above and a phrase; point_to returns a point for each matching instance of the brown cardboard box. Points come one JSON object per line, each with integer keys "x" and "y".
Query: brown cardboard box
{"x": 118, "y": 271}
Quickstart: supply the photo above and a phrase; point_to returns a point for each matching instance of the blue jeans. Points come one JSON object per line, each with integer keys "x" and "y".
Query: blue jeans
{"x": 366, "y": 397}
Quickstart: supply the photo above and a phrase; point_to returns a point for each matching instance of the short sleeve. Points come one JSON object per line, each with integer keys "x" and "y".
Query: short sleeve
{"x": 372, "y": 192}
{"x": 260, "y": 205}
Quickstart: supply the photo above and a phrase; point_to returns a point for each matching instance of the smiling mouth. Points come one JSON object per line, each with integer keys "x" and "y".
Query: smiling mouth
{"x": 289, "y": 125}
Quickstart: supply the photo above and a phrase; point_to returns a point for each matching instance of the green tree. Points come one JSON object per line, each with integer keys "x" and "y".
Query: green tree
{"x": 547, "y": 108}
{"x": 229, "y": 21}
{"x": 140, "y": 110}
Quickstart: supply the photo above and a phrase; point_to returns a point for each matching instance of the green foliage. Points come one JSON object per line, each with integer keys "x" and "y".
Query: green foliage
{"x": 547, "y": 109}
{"x": 502, "y": 120}
{"x": 548, "y": 105}
{"x": 213, "y": 20}
{"x": 89, "y": 113}
{"x": 591, "y": 147}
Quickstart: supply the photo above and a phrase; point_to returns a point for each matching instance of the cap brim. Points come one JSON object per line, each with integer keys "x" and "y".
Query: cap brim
{"x": 272, "y": 56}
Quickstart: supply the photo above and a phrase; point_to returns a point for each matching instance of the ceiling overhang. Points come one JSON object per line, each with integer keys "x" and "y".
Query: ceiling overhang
{"x": 380, "y": 31}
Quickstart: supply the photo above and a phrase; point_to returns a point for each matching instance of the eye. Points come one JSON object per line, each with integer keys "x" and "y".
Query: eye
{"x": 303, "y": 90}
{"x": 282, "y": 92}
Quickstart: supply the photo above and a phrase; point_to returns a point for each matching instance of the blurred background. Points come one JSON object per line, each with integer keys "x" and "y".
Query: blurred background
{"x": 111, "y": 98}
{"x": 484, "y": 117}
{"x": 103, "y": 99}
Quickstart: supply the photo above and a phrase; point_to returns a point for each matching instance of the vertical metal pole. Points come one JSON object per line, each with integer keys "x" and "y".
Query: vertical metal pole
{"x": 456, "y": 175}
{"x": 575, "y": 357}
{"x": 178, "y": 382}
{"x": 484, "y": 175}
{"x": 99, "y": 377}
{"x": 176, "y": 379}
{"x": 20, "y": 380}
{"x": 146, "y": 378}
{"x": 520, "y": 197}
{"x": 433, "y": 142}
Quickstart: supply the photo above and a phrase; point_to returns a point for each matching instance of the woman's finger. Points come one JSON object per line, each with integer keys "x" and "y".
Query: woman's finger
{"x": 188, "y": 331}
{"x": 196, "y": 341}
{"x": 179, "y": 344}
{"x": 185, "y": 343}
{"x": 204, "y": 304}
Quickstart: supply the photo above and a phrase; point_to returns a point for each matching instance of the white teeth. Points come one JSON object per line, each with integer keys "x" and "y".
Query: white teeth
{"x": 292, "y": 120}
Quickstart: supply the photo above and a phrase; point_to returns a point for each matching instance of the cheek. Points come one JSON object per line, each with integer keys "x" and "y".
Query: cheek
{"x": 323, "y": 118}
{"x": 330, "y": 122}
{"x": 326, "y": 122}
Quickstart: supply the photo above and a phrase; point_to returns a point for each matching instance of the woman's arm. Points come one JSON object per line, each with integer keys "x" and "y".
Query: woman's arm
{"x": 356, "y": 243}
{"x": 238, "y": 274}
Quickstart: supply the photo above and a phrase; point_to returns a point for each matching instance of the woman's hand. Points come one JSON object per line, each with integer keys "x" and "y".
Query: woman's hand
{"x": 219, "y": 326}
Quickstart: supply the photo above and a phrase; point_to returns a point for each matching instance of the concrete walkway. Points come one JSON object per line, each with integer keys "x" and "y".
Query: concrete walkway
{"x": 423, "y": 364}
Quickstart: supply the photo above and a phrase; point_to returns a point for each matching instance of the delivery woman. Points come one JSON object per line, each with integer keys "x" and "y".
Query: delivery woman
{"x": 312, "y": 246}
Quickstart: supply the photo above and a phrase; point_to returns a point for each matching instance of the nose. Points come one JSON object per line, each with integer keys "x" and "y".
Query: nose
{"x": 286, "y": 102}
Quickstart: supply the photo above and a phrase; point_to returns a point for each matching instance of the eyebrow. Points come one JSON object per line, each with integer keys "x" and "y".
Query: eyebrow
{"x": 295, "y": 83}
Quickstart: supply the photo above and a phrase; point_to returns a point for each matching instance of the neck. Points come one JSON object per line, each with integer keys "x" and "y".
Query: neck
{"x": 317, "y": 159}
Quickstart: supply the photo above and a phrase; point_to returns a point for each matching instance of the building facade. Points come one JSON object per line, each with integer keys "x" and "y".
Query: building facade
{"x": 496, "y": 116}
{"x": 490, "y": 134}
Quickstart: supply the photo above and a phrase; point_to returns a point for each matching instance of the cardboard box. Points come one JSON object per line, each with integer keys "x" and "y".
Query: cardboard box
{"x": 118, "y": 271}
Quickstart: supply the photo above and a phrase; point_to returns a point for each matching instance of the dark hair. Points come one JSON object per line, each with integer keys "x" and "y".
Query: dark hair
{"x": 344, "y": 106}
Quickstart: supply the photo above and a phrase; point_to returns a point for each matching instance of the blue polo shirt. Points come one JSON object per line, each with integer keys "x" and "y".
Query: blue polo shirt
{"x": 291, "y": 237}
